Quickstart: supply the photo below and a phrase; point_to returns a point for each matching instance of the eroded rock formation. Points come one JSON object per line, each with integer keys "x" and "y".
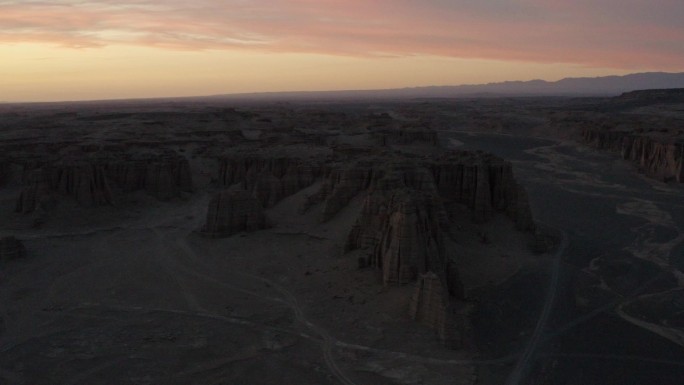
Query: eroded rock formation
{"x": 431, "y": 306}
{"x": 658, "y": 156}
{"x": 164, "y": 177}
{"x": 401, "y": 228}
{"x": 5, "y": 171}
{"x": 409, "y": 204}
{"x": 406, "y": 136}
{"x": 11, "y": 248}
{"x": 270, "y": 178}
{"x": 35, "y": 193}
{"x": 94, "y": 182}
{"x": 341, "y": 185}
{"x": 233, "y": 211}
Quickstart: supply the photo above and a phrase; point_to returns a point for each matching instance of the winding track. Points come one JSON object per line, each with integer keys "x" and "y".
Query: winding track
{"x": 518, "y": 373}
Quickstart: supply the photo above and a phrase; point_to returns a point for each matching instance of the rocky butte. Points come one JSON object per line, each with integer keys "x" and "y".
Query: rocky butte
{"x": 173, "y": 243}
{"x": 655, "y": 144}
{"x": 404, "y": 227}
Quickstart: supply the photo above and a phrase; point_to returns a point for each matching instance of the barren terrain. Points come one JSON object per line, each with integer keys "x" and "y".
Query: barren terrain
{"x": 138, "y": 278}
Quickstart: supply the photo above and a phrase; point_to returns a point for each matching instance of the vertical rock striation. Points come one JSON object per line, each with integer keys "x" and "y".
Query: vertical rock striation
{"x": 85, "y": 182}
{"x": 402, "y": 229}
{"x": 233, "y": 211}
{"x": 270, "y": 178}
{"x": 94, "y": 182}
{"x": 163, "y": 177}
{"x": 431, "y": 306}
{"x": 11, "y": 248}
{"x": 658, "y": 156}
{"x": 406, "y": 136}
{"x": 5, "y": 171}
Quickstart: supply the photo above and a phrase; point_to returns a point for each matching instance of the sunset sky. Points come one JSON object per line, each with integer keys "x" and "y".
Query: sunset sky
{"x": 75, "y": 49}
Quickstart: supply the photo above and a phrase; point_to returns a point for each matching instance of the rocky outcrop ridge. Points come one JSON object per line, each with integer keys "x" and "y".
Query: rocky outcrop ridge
{"x": 5, "y": 171}
{"x": 270, "y": 178}
{"x": 11, "y": 248}
{"x": 406, "y": 136}
{"x": 408, "y": 204}
{"x": 401, "y": 227}
{"x": 404, "y": 223}
{"x": 659, "y": 157}
{"x": 85, "y": 182}
{"x": 94, "y": 182}
{"x": 432, "y": 307}
{"x": 341, "y": 185}
{"x": 233, "y": 211}
{"x": 164, "y": 177}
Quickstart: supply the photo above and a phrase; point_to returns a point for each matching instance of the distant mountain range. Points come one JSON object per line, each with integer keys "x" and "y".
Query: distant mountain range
{"x": 599, "y": 86}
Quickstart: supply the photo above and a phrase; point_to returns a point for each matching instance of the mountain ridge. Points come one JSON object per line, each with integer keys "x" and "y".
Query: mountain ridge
{"x": 612, "y": 85}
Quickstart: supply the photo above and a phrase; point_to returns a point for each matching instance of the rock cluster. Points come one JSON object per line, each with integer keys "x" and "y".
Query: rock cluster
{"x": 408, "y": 207}
{"x": 401, "y": 227}
{"x": 431, "y": 307}
{"x": 406, "y": 136}
{"x": 233, "y": 211}
{"x": 11, "y": 248}
{"x": 342, "y": 183}
{"x": 164, "y": 177}
{"x": 270, "y": 178}
{"x": 4, "y": 172}
{"x": 92, "y": 182}
{"x": 659, "y": 157}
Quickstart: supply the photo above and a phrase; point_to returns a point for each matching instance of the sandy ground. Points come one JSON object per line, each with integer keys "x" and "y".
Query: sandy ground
{"x": 144, "y": 300}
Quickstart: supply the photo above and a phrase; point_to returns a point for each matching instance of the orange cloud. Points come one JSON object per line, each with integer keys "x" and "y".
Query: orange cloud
{"x": 612, "y": 33}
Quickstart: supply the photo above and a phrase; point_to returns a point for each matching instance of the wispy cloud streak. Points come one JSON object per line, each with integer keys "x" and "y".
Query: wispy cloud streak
{"x": 614, "y": 33}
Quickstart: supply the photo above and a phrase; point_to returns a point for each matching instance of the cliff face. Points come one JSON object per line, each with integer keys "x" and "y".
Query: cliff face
{"x": 11, "y": 248}
{"x": 341, "y": 185}
{"x": 163, "y": 177}
{"x": 93, "y": 182}
{"x": 404, "y": 222}
{"x": 270, "y": 178}
{"x": 431, "y": 307}
{"x": 233, "y": 211}
{"x": 4, "y": 172}
{"x": 406, "y": 136}
{"x": 404, "y": 216}
{"x": 85, "y": 183}
{"x": 401, "y": 227}
{"x": 659, "y": 157}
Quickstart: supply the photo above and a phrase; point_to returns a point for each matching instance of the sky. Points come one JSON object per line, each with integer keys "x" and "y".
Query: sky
{"x": 104, "y": 49}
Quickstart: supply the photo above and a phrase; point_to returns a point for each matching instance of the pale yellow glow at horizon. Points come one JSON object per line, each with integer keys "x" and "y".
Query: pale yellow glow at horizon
{"x": 45, "y": 72}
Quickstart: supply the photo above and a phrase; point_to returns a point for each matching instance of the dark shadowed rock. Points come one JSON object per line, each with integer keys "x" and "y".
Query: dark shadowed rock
{"x": 163, "y": 177}
{"x": 233, "y": 211}
{"x": 270, "y": 178}
{"x": 431, "y": 307}
{"x": 5, "y": 171}
{"x": 659, "y": 156}
{"x": 95, "y": 181}
{"x": 406, "y": 136}
{"x": 11, "y": 248}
